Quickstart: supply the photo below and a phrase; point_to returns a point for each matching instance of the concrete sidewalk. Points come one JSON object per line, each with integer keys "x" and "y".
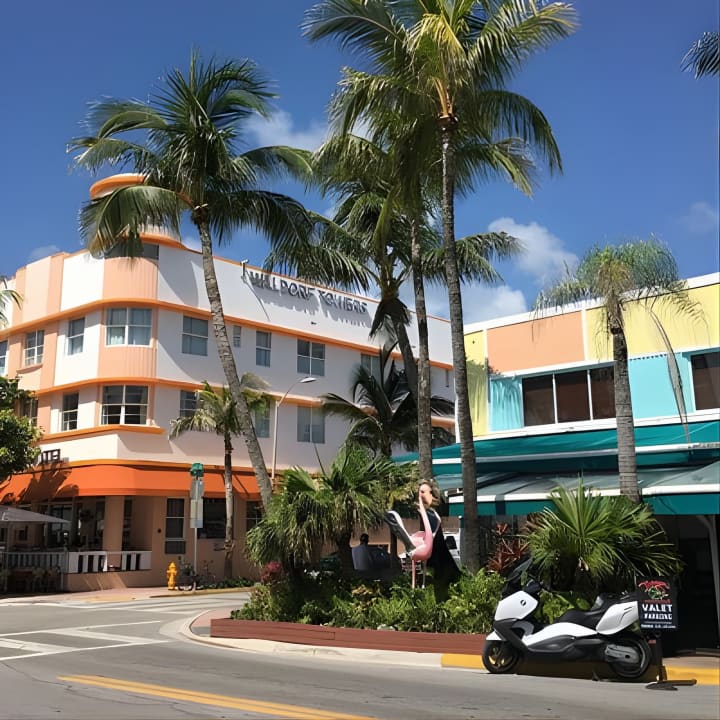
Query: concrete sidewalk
{"x": 705, "y": 668}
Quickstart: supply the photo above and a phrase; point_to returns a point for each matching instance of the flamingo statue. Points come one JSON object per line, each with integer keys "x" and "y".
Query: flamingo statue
{"x": 422, "y": 540}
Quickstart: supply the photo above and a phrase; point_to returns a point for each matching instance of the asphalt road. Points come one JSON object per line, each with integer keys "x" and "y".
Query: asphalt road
{"x": 117, "y": 661}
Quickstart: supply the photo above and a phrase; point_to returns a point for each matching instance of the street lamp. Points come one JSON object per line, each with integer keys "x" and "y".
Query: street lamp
{"x": 277, "y": 410}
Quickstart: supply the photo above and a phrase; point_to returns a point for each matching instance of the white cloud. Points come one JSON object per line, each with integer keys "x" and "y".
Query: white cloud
{"x": 280, "y": 130}
{"x": 191, "y": 243}
{"x": 43, "y": 251}
{"x": 701, "y": 219}
{"x": 545, "y": 257}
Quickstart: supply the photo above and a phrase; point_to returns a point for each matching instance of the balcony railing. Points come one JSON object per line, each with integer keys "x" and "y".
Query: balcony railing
{"x": 82, "y": 561}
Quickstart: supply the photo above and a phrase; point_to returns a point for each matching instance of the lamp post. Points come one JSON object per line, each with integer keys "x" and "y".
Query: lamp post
{"x": 275, "y": 427}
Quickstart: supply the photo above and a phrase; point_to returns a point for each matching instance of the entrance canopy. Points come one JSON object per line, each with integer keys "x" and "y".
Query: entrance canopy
{"x": 668, "y": 491}
{"x": 10, "y": 514}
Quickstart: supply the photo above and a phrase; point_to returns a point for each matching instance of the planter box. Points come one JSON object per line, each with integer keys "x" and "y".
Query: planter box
{"x": 348, "y": 637}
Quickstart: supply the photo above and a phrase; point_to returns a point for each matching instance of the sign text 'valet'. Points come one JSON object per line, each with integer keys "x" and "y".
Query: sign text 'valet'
{"x": 286, "y": 286}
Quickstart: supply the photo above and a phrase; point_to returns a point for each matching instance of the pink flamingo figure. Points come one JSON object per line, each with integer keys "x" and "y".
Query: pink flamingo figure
{"x": 423, "y": 539}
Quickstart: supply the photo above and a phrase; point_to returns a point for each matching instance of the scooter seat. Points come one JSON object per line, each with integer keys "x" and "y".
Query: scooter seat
{"x": 588, "y": 618}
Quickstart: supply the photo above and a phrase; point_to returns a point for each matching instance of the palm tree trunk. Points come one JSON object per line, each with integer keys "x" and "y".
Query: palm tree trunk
{"x": 409, "y": 364}
{"x": 228, "y": 361}
{"x": 229, "y": 510}
{"x": 627, "y": 463}
{"x": 471, "y": 526}
{"x": 424, "y": 413}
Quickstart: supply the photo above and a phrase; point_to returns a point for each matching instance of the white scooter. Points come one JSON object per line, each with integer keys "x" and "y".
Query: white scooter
{"x": 603, "y": 633}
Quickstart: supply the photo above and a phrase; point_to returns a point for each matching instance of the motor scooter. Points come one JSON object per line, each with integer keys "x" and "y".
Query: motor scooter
{"x": 604, "y": 633}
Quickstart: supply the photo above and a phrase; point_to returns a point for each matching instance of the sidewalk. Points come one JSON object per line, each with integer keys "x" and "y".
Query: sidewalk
{"x": 704, "y": 668}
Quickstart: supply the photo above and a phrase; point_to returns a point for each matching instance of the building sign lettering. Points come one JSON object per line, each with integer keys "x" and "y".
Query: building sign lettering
{"x": 284, "y": 286}
{"x": 47, "y": 457}
{"x": 657, "y": 606}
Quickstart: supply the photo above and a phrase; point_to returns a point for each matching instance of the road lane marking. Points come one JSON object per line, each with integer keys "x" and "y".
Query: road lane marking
{"x": 294, "y": 712}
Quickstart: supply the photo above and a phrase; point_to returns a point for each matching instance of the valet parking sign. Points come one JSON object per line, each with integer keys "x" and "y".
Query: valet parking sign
{"x": 657, "y": 604}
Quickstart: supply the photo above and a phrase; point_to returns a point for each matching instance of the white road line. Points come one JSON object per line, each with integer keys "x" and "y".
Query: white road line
{"x": 121, "y": 639}
{"x": 70, "y": 630}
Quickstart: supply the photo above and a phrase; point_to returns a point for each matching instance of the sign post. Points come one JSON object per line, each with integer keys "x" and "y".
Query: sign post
{"x": 197, "y": 490}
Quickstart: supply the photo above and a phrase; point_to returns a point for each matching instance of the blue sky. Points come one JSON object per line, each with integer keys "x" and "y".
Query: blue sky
{"x": 639, "y": 137}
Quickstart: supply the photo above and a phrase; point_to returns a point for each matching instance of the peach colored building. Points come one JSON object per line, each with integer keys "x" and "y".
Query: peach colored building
{"x": 114, "y": 349}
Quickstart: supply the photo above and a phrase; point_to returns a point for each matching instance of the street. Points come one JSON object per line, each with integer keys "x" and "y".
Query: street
{"x": 121, "y": 660}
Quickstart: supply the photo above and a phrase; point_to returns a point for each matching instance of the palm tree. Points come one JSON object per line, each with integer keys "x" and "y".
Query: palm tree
{"x": 382, "y": 410}
{"x": 643, "y": 272}
{"x": 217, "y": 413}
{"x": 591, "y": 542}
{"x": 443, "y": 64}
{"x": 7, "y": 296}
{"x": 703, "y": 57}
{"x": 184, "y": 144}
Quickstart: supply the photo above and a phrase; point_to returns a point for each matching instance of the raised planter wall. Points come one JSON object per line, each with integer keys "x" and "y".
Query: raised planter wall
{"x": 348, "y": 637}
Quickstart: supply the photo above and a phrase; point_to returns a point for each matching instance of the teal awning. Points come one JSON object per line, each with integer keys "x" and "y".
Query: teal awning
{"x": 669, "y": 491}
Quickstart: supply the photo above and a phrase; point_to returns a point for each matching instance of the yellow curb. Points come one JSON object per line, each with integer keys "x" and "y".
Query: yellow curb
{"x": 460, "y": 660}
{"x": 704, "y": 676}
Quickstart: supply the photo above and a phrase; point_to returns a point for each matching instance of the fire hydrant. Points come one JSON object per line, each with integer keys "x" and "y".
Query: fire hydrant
{"x": 171, "y": 575}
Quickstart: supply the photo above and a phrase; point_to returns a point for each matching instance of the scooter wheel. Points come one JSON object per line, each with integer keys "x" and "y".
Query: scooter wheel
{"x": 500, "y": 657}
{"x": 632, "y": 670}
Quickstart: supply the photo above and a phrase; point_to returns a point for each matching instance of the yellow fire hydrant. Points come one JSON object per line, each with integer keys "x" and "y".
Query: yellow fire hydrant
{"x": 171, "y": 575}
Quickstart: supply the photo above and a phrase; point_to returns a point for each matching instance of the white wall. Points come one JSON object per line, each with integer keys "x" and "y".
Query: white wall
{"x": 82, "y": 281}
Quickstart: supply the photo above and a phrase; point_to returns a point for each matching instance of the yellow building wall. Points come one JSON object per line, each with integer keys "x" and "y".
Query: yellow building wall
{"x": 476, "y": 352}
{"x": 683, "y": 330}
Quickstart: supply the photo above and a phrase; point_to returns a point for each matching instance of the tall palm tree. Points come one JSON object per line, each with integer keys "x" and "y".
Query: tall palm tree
{"x": 217, "y": 413}
{"x": 642, "y": 272}
{"x": 7, "y": 296}
{"x": 382, "y": 410}
{"x": 184, "y": 142}
{"x": 443, "y": 64}
{"x": 703, "y": 57}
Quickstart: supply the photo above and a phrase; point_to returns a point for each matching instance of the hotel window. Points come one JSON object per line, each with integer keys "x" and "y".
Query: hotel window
{"x": 263, "y": 345}
{"x": 236, "y": 335}
{"x": 310, "y": 358}
{"x": 3, "y": 357}
{"x": 29, "y": 409}
{"x": 371, "y": 363}
{"x": 75, "y": 336}
{"x": 706, "y": 380}
{"x": 261, "y": 421}
{"x": 175, "y": 526}
{"x": 213, "y": 518}
{"x": 124, "y": 405}
{"x": 70, "y": 412}
{"x": 188, "y": 403}
{"x": 310, "y": 425}
{"x": 195, "y": 336}
{"x": 253, "y": 514}
{"x": 34, "y": 346}
{"x": 568, "y": 397}
{"x": 128, "y": 326}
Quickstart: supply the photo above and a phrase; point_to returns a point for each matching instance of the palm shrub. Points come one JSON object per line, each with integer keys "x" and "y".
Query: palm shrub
{"x": 593, "y": 543}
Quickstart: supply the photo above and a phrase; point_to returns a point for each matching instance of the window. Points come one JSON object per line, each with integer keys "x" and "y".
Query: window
{"x": 34, "y": 344}
{"x": 213, "y": 518}
{"x": 124, "y": 405}
{"x": 253, "y": 514}
{"x": 194, "y": 336}
{"x": 310, "y": 358}
{"x": 69, "y": 419}
{"x": 263, "y": 344}
{"x": 149, "y": 251}
{"x": 236, "y": 335}
{"x": 128, "y": 326}
{"x": 706, "y": 380}
{"x": 188, "y": 403}
{"x": 75, "y": 336}
{"x": 371, "y": 363}
{"x": 29, "y": 409}
{"x": 175, "y": 526}
{"x": 3, "y": 357}
{"x": 310, "y": 425}
{"x": 261, "y": 421}
{"x": 569, "y": 397}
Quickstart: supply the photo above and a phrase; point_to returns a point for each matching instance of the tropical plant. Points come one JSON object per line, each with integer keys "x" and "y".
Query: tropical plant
{"x": 703, "y": 57}
{"x": 382, "y": 410}
{"x": 7, "y": 296}
{"x": 644, "y": 273}
{"x": 18, "y": 435}
{"x": 217, "y": 413}
{"x": 183, "y": 143}
{"x": 590, "y": 542}
{"x": 440, "y": 67}
{"x": 328, "y": 508}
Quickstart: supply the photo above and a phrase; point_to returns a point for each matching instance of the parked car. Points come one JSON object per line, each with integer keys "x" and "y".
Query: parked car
{"x": 452, "y": 540}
